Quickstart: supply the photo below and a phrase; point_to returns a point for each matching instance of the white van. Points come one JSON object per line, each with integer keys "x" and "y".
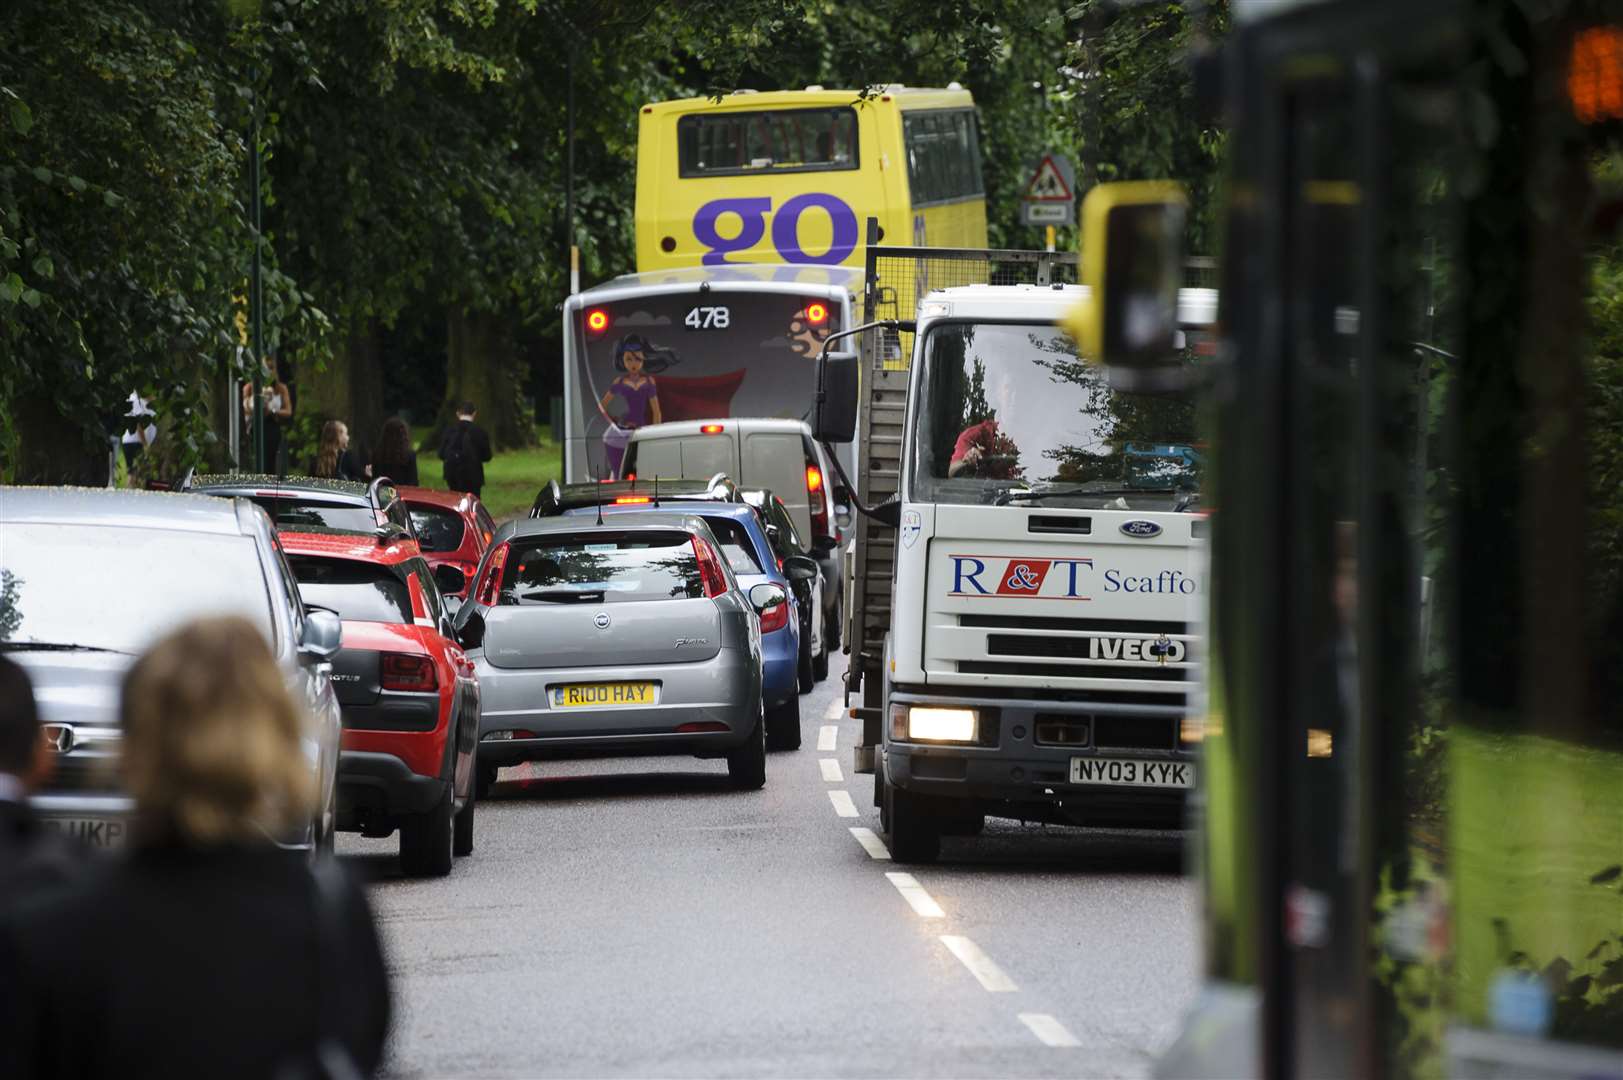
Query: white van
{"x": 778, "y": 455}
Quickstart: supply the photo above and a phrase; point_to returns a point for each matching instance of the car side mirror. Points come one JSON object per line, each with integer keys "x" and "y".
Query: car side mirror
{"x": 450, "y": 579}
{"x": 1132, "y": 263}
{"x": 838, "y": 376}
{"x": 323, "y": 634}
{"x": 767, "y": 595}
{"x": 888, "y": 514}
{"x": 471, "y": 634}
{"x": 801, "y": 568}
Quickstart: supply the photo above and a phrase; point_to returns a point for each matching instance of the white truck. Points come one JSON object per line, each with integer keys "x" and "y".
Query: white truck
{"x": 1026, "y": 600}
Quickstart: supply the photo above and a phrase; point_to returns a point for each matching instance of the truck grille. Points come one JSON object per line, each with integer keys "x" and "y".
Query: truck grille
{"x": 1107, "y": 732}
{"x": 1065, "y": 649}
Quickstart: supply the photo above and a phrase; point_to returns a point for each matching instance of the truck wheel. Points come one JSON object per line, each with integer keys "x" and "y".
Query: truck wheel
{"x": 783, "y": 725}
{"x": 484, "y": 779}
{"x": 915, "y": 833}
{"x": 746, "y": 766}
{"x": 462, "y": 840}
{"x": 426, "y": 841}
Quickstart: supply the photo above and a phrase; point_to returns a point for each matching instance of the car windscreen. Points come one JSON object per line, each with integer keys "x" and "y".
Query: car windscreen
{"x": 297, "y": 512}
{"x": 120, "y": 589}
{"x": 601, "y": 568}
{"x": 357, "y": 591}
{"x": 438, "y": 529}
{"x": 735, "y": 544}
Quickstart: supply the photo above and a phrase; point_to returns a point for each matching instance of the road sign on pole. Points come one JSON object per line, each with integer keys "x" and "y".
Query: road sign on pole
{"x": 1050, "y": 194}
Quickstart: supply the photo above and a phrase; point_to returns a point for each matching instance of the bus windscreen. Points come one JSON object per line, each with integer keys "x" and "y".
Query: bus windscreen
{"x": 693, "y": 356}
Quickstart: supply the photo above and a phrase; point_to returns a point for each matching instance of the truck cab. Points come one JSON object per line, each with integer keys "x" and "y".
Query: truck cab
{"x": 1049, "y": 581}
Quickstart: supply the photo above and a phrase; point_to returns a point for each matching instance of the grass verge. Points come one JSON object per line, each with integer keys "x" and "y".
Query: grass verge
{"x": 512, "y": 477}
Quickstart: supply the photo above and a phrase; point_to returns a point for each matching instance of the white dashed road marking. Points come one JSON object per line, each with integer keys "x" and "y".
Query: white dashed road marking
{"x": 980, "y": 965}
{"x": 843, "y": 805}
{"x": 874, "y": 846}
{"x": 919, "y": 900}
{"x": 1048, "y": 1029}
{"x": 836, "y": 710}
{"x": 831, "y": 770}
{"x": 826, "y": 737}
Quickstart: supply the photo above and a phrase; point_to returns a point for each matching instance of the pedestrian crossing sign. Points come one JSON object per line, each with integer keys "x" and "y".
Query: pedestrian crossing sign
{"x": 1049, "y": 197}
{"x": 1048, "y": 184}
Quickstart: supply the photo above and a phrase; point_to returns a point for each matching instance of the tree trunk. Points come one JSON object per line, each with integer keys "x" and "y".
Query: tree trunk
{"x": 348, "y": 386}
{"x": 57, "y": 449}
{"x": 483, "y": 366}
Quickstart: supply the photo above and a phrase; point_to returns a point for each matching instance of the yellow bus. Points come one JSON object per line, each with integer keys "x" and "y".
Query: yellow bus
{"x": 792, "y": 176}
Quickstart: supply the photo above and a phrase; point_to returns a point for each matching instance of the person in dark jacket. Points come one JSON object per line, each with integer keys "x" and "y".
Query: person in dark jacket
{"x": 208, "y": 951}
{"x": 395, "y": 457}
{"x": 465, "y": 449}
{"x": 33, "y": 859}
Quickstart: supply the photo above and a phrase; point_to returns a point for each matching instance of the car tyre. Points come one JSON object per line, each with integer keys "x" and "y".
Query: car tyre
{"x": 915, "y": 832}
{"x": 805, "y": 675}
{"x": 783, "y": 725}
{"x": 820, "y": 663}
{"x": 462, "y": 831}
{"x": 746, "y": 766}
{"x": 484, "y": 779}
{"x": 426, "y": 840}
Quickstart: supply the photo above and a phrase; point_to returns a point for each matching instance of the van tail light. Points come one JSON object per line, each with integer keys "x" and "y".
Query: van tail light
{"x": 710, "y": 572}
{"x": 775, "y": 617}
{"x": 407, "y": 671}
{"x": 817, "y": 495}
{"x": 491, "y": 584}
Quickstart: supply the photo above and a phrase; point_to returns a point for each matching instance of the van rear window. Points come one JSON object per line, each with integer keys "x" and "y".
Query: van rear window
{"x": 357, "y": 591}
{"x": 601, "y": 568}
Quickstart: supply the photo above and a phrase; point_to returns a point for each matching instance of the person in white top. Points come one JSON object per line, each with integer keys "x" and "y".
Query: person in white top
{"x": 140, "y": 435}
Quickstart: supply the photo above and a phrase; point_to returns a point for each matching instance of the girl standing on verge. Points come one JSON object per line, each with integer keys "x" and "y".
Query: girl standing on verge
{"x": 637, "y": 391}
{"x": 333, "y": 459}
{"x": 395, "y": 458}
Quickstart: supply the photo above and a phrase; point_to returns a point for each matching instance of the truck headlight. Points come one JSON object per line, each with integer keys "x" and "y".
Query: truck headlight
{"x": 941, "y": 725}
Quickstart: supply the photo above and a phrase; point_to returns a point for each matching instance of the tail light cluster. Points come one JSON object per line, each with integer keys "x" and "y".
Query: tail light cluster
{"x": 775, "y": 617}
{"x": 710, "y": 571}
{"x": 491, "y": 584}
{"x": 407, "y": 671}
{"x": 817, "y": 495}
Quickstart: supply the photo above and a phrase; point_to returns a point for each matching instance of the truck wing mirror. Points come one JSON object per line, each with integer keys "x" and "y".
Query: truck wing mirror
{"x": 838, "y": 375}
{"x": 1132, "y": 261}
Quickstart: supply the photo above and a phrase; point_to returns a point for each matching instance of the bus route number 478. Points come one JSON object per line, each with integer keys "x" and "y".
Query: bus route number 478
{"x": 708, "y": 318}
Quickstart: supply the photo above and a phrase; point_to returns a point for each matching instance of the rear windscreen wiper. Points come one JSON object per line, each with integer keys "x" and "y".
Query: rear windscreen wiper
{"x": 565, "y": 596}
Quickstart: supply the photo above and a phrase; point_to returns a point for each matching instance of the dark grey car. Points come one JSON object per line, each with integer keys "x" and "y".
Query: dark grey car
{"x": 620, "y": 637}
{"x": 90, "y": 577}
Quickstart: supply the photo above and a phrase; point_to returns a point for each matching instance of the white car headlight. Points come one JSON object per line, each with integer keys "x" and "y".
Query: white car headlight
{"x": 941, "y": 725}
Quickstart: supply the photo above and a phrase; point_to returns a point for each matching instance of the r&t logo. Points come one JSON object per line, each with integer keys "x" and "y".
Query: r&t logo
{"x": 1020, "y": 577}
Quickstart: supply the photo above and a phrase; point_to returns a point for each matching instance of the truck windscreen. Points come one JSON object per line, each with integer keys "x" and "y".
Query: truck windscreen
{"x": 1011, "y": 414}
{"x": 694, "y": 356}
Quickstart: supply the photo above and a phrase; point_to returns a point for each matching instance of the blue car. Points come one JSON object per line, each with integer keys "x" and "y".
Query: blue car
{"x": 738, "y": 528}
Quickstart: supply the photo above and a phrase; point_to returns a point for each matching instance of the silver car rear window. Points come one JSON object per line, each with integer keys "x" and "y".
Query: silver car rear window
{"x": 601, "y": 567}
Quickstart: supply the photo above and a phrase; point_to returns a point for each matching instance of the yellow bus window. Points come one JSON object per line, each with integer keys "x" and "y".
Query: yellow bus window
{"x": 780, "y": 140}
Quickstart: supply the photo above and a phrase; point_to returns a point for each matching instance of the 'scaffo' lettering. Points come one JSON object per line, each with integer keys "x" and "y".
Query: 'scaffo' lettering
{"x": 752, "y": 213}
{"x": 1164, "y": 581}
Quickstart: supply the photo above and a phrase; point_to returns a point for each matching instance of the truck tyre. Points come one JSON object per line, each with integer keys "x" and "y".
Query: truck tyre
{"x": 783, "y": 725}
{"x": 746, "y": 766}
{"x": 484, "y": 779}
{"x": 426, "y": 840}
{"x": 462, "y": 832}
{"x": 915, "y": 833}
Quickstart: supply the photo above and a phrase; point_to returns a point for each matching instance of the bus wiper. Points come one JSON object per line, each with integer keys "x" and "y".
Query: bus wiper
{"x": 565, "y": 596}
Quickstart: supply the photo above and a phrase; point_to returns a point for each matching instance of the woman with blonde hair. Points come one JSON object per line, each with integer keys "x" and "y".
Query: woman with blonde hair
{"x": 209, "y": 950}
{"x": 333, "y": 458}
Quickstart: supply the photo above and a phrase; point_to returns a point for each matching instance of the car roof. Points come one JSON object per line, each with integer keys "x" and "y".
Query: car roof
{"x": 585, "y": 523}
{"x": 260, "y": 484}
{"x": 125, "y": 508}
{"x": 461, "y": 501}
{"x": 683, "y": 428}
{"x": 347, "y": 544}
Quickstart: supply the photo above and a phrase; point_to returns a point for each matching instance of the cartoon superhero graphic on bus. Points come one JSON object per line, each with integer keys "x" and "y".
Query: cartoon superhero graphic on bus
{"x": 638, "y": 396}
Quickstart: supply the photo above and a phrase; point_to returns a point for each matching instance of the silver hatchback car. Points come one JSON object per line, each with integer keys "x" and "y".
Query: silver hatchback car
{"x": 617, "y": 637}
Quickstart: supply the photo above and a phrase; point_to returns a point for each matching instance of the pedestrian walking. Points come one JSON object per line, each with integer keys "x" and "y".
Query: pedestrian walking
{"x": 465, "y": 449}
{"x": 395, "y": 457}
{"x": 208, "y": 951}
{"x": 139, "y": 435}
{"x": 278, "y": 411}
{"x": 32, "y": 858}
{"x": 333, "y": 458}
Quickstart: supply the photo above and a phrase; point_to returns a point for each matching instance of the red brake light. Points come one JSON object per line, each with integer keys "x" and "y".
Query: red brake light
{"x": 818, "y": 498}
{"x": 627, "y": 500}
{"x": 492, "y": 583}
{"x": 597, "y": 321}
{"x": 775, "y": 617}
{"x": 710, "y": 572}
{"x": 711, "y": 429}
{"x": 407, "y": 671}
{"x": 816, "y": 314}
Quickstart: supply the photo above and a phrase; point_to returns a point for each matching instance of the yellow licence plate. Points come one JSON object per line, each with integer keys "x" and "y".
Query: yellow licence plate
{"x": 593, "y": 695}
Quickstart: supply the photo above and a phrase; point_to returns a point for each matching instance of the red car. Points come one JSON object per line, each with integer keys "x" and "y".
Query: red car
{"x": 409, "y": 696}
{"x": 453, "y": 529}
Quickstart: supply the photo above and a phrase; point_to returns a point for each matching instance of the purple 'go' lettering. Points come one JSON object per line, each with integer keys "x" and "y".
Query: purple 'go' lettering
{"x": 786, "y": 229}
{"x": 752, "y": 226}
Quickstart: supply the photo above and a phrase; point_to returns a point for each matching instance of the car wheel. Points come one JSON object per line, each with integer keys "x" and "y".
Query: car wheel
{"x": 746, "y": 766}
{"x": 484, "y": 779}
{"x": 783, "y": 725}
{"x": 820, "y": 663}
{"x": 462, "y": 830}
{"x": 915, "y": 832}
{"x": 426, "y": 840}
{"x": 804, "y": 675}
{"x": 831, "y": 627}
